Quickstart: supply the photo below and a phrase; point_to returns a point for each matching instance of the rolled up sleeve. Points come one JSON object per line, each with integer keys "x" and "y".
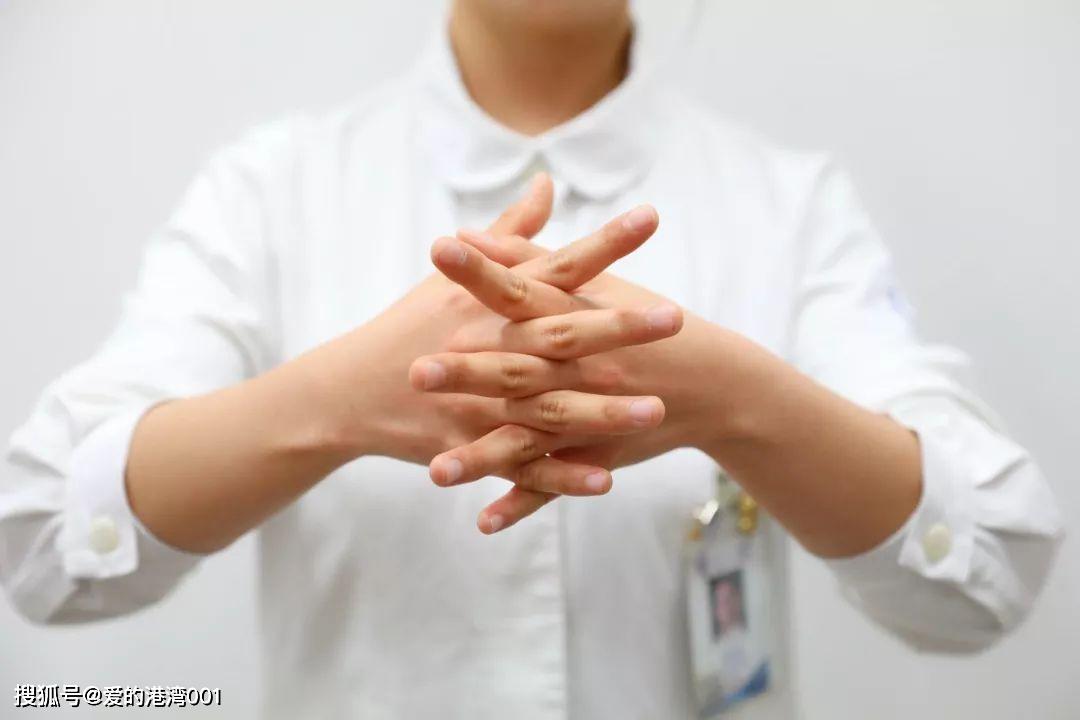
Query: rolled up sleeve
{"x": 99, "y": 537}
{"x": 969, "y": 562}
{"x": 83, "y": 554}
{"x": 200, "y": 318}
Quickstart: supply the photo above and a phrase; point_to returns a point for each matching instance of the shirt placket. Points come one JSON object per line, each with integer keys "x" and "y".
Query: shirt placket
{"x": 550, "y": 557}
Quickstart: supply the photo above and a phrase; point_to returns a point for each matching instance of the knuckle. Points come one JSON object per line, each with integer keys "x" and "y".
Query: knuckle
{"x": 613, "y": 230}
{"x": 561, "y": 262}
{"x": 528, "y": 476}
{"x": 552, "y": 411}
{"x": 516, "y": 290}
{"x": 559, "y": 337}
{"x": 623, "y": 322}
{"x": 513, "y": 375}
{"x": 614, "y": 412}
{"x": 457, "y": 371}
{"x": 524, "y": 443}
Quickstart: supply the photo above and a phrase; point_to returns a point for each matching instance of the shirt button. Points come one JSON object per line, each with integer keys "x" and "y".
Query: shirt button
{"x": 937, "y": 542}
{"x": 104, "y": 537}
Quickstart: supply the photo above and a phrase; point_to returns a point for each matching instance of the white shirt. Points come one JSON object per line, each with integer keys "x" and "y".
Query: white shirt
{"x": 380, "y": 599}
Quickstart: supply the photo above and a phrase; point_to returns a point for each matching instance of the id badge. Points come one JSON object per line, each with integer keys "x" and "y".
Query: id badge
{"x": 728, "y": 594}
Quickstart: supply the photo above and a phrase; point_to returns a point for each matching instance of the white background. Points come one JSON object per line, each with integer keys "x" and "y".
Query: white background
{"x": 959, "y": 120}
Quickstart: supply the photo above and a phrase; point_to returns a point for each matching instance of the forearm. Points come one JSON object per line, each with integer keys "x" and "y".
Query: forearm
{"x": 839, "y": 477}
{"x": 203, "y": 471}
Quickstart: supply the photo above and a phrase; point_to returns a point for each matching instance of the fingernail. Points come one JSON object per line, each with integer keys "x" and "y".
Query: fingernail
{"x": 538, "y": 178}
{"x": 452, "y": 470}
{"x": 434, "y": 375}
{"x": 639, "y": 218}
{"x": 494, "y": 523}
{"x": 663, "y": 317}
{"x": 452, "y": 252}
{"x": 596, "y": 482}
{"x": 643, "y": 411}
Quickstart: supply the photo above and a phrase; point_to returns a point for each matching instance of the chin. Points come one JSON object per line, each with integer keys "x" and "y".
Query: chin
{"x": 557, "y": 16}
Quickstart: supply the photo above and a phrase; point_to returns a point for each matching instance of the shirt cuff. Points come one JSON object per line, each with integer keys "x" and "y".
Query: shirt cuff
{"x": 938, "y": 540}
{"x": 101, "y": 536}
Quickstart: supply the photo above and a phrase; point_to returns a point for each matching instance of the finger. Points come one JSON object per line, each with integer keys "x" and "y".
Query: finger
{"x": 516, "y": 504}
{"x": 581, "y": 258}
{"x": 492, "y": 374}
{"x": 519, "y": 454}
{"x": 503, "y": 290}
{"x": 528, "y": 215}
{"x": 584, "y": 332}
{"x": 574, "y": 265}
{"x": 577, "y": 413}
{"x": 498, "y": 453}
{"x": 551, "y": 475}
{"x": 507, "y": 250}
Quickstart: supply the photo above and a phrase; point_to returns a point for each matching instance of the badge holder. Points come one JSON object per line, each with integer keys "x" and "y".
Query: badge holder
{"x": 728, "y": 595}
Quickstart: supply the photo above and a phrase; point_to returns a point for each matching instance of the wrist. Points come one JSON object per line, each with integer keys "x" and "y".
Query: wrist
{"x": 329, "y": 395}
{"x": 740, "y": 394}
{"x": 354, "y": 404}
{"x": 302, "y": 420}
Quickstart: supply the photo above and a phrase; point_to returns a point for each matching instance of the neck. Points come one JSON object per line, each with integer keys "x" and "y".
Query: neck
{"x": 531, "y": 79}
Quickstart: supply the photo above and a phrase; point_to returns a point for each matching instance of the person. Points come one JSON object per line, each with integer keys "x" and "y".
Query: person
{"x": 727, "y": 604}
{"x": 289, "y": 362}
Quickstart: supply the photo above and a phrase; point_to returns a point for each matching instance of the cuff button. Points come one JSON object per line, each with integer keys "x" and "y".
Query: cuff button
{"x": 104, "y": 537}
{"x": 937, "y": 542}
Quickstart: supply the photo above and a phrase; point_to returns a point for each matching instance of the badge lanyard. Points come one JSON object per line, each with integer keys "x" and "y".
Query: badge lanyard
{"x": 728, "y": 595}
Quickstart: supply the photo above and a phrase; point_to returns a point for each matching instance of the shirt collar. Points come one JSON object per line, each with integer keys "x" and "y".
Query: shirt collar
{"x": 598, "y": 153}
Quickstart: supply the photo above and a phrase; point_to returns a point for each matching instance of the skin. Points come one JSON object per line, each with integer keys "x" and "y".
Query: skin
{"x": 840, "y": 478}
{"x": 533, "y": 65}
{"x": 539, "y": 368}
{"x": 202, "y": 471}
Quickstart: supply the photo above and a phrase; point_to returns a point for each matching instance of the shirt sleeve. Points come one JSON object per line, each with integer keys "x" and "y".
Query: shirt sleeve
{"x": 968, "y": 564}
{"x": 200, "y": 318}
